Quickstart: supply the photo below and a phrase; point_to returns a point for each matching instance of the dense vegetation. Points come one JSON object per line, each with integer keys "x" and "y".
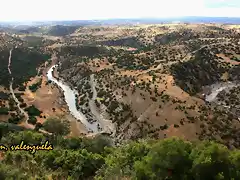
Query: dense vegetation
{"x": 129, "y": 42}
{"x": 96, "y": 158}
{"x": 33, "y": 41}
{"x": 24, "y": 65}
{"x": 175, "y": 36}
{"x": 89, "y": 51}
{"x": 4, "y": 77}
{"x": 203, "y": 69}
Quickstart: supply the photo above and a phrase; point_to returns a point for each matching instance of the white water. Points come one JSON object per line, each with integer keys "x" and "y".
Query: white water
{"x": 69, "y": 95}
{"x": 9, "y": 62}
{"x": 217, "y": 88}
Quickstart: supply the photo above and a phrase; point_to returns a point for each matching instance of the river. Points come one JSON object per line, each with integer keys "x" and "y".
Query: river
{"x": 215, "y": 89}
{"x": 70, "y": 98}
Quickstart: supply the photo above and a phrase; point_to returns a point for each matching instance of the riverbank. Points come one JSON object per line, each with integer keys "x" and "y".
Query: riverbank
{"x": 70, "y": 98}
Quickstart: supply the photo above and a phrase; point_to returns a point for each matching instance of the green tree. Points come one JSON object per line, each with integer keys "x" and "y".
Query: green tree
{"x": 120, "y": 161}
{"x": 33, "y": 111}
{"x": 78, "y": 164}
{"x": 57, "y": 126}
{"x": 235, "y": 160}
{"x": 27, "y": 163}
{"x": 32, "y": 120}
{"x": 168, "y": 159}
{"x": 210, "y": 161}
{"x": 8, "y": 172}
{"x": 4, "y": 111}
{"x": 98, "y": 144}
{"x": 29, "y": 137}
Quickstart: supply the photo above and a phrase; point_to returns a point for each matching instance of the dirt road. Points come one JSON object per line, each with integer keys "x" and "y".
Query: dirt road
{"x": 26, "y": 116}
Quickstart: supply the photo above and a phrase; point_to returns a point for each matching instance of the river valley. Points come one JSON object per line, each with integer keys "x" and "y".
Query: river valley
{"x": 70, "y": 98}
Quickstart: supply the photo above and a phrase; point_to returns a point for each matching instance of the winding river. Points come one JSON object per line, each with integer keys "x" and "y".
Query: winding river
{"x": 70, "y": 99}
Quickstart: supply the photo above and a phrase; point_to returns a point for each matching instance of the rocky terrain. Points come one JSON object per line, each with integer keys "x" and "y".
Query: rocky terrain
{"x": 143, "y": 80}
{"x": 155, "y": 89}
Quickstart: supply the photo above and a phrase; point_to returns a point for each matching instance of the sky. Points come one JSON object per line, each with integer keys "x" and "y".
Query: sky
{"x": 40, "y": 10}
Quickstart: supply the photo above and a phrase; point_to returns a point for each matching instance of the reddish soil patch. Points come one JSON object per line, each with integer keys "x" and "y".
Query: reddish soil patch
{"x": 228, "y": 60}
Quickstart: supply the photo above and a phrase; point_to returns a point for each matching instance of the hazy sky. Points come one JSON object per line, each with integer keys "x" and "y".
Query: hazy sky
{"x": 12, "y": 10}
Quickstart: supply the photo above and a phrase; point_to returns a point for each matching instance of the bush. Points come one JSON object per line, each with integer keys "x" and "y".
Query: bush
{"x": 57, "y": 126}
{"x": 38, "y": 126}
{"x": 33, "y": 111}
{"x": 35, "y": 86}
{"x": 14, "y": 120}
{"x": 32, "y": 120}
{"x": 4, "y": 111}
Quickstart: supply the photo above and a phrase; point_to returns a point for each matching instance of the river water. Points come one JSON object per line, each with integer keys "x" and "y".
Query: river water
{"x": 215, "y": 89}
{"x": 70, "y": 99}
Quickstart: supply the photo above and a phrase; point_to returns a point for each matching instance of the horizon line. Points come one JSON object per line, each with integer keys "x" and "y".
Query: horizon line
{"x": 126, "y": 18}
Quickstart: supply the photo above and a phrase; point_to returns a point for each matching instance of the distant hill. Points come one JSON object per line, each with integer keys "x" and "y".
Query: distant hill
{"x": 222, "y": 20}
{"x": 188, "y": 19}
{"x": 60, "y": 30}
{"x": 30, "y": 30}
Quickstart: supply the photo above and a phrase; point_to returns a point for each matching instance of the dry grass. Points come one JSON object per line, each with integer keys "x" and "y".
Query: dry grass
{"x": 45, "y": 99}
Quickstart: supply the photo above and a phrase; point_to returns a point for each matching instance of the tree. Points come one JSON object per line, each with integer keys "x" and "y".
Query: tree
{"x": 168, "y": 159}
{"x": 210, "y": 160}
{"x": 33, "y": 111}
{"x": 29, "y": 137}
{"x": 80, "y": 158}
{"x": 235, "y": 160}
{"x": 7, "y": 172}
{"x": 14, "y": 120}
{"x": 57, "y": 126}
{"x": 4, "y": 111}
{"x": 38, "y": 126}
{"x": 78, "y": 164}
{"x": 120, "y": 161}
{"x": 32, "y": 120}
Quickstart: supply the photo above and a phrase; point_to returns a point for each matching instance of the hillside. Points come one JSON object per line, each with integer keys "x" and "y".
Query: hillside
{"x": 59, "y": 30}
{"x": 156, "y": 90}
{"x": 134, "y": 87}
{"x": 23, "y": 66}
